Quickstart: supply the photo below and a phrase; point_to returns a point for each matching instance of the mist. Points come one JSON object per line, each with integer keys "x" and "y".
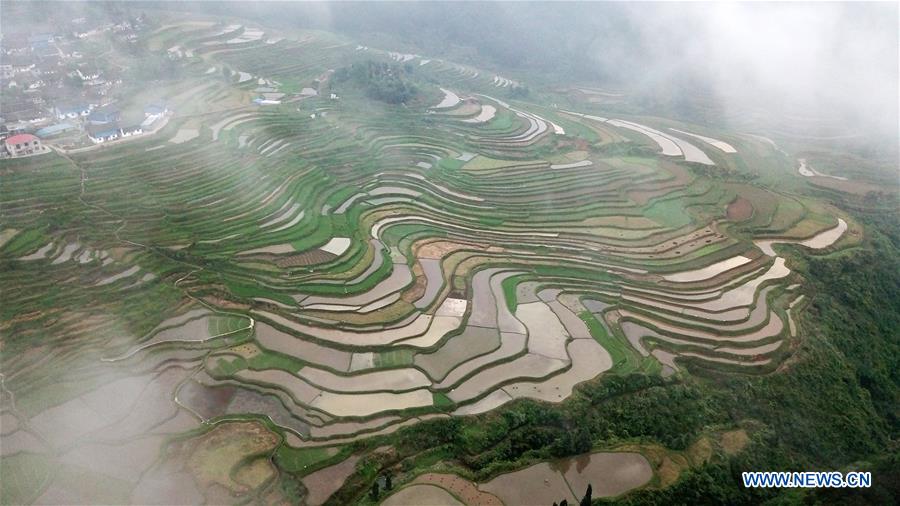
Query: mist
{"x": 804, "y": 70}
{"x": 831, "y": 62}
{"x": 271, "y": 160}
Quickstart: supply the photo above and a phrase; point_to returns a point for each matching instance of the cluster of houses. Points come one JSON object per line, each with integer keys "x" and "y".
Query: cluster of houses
{"x": 99, "y": 124}
{"x": 49, "y": 88}
{"x": 38, "y": 69}
{"x": 267, "y": 92}
{"x": 106, "y": 125}
{"x": 125, "y": 29}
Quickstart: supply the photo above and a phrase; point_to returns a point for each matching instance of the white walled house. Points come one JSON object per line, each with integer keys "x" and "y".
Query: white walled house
{"x": 23, "y": 145}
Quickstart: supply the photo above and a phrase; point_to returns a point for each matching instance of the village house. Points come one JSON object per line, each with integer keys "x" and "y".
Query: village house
{"x": 71, "y": 111}
{"x": 24, "y": 111}
{"x": 56, "y": 129}
{"x": 23, "y": 145}
{"x": 132, "y": 129}
{"x": 13, "y": 128}
{"x": 35, "y": 84}
{"x": 103, "y": 116}
{"x": 265, "y": 101}
{"x": 84, "y": 34}
{"x": 97, "y": 96}
{"x": 103, "y": 133}
{"x": 88, "y": 73}
{"x": 155, "y": 110}
{"x": 123, "y": 26}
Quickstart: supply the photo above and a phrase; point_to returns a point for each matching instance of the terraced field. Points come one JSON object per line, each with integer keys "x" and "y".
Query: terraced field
{"x": 329, "y": 270}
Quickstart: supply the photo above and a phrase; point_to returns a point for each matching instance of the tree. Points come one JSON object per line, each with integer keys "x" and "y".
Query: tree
{"x": 380, "y": 81}
{"x": 519, "y": 91}
{"x": 586, "y": 500}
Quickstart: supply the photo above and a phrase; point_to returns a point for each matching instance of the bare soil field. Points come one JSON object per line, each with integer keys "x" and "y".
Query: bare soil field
{"x": 422, "y": 495}
{"x": 461, "y": 488}
{"x": 324, "y": 482}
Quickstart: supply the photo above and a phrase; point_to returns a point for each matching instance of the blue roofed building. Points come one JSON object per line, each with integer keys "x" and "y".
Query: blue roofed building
{"x": 73, "y": 111}
{"x": 132, "y": 129}
{"x": 103, "y": 116}
{"x": 50, "y": 131}
{"x": 103, "y": 133}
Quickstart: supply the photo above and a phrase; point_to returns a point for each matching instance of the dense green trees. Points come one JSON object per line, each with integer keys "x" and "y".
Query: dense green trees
{"x": 381, "y": 81}
{"x": 857, "y": 297}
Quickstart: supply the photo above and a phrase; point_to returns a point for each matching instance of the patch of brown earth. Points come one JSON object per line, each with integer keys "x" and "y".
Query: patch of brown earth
{"x": 670, "y": 469}
{"x": 700, "y": 452}
{"x": 416, "y": 291}
{"x": 740, "y": 209}
{"x": 734, "y": 441}
{"x": 421, "y": 495}
{"x": 223, "y": 303}
{"x": 311, "y": 257}
{"x": 440, "y": 249}
{"x": 461, "y": 488}
{"x": 246, "y": 350}
{"x": 214, "y": 459}
{"x": 325, "y": 482}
